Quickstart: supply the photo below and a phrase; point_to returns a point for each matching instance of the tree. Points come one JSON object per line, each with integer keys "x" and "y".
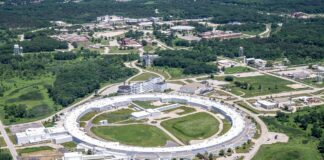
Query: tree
{"x": 320, "y": 146}
{"x": 316, "y": 131}
{"x": 229, "y": 78}
{"x": 222, "y": 152}
{"x": 144, "y": 42}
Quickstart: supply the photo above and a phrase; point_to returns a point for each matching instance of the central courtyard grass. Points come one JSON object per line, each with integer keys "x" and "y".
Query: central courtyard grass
{"x": 146, "y": 104}
{"x": 192, "y": 127}
{"x": 258, "y": 85}
{"x": 135, "y": 135}
{"x": 115, "y": 116}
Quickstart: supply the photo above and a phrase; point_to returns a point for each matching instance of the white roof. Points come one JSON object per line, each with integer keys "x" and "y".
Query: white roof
{"x": 183, "y": 28}
{"x": 140, "y": 114}
{"x": 145, "y": 24}
{"x": 72, "y": 125}
{"x": 266, "y": 103}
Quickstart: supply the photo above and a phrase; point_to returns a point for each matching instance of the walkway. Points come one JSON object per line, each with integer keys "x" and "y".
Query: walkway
{"x": 6, "y": 138}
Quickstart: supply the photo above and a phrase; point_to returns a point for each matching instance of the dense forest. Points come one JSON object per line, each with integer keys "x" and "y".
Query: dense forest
{"x": 300, "y": 41}
{"x": 193, "y": 62}
{"x": 16, "y": 13}
{"x": 79, "y": 80}
{"x": 54, "y": 80}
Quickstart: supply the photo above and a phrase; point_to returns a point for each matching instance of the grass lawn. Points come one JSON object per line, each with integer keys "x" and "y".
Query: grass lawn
{"x": 175, "y": 73}
{"x": 113, "y": 117}
{"x": 226, "y": 126}
{"x": 259, "y": 85}
{"x": 136, "y": 135}
{"x": 144, "y": 76}
{"x": 185, "y": 110}
{"x": 160, "y": 71}
{"x": 244, "y": 148}
{"x": 192, "y": 127}
{"x": 313, "y": 82}
{"x": 282, "y": 151}
{"x": 33, "y": 94}
{"x": 237, "y": 69}
{"x": 34, "y": 149}
{"x": 2, "y": 142}
{"x": 88, "y": 116}
{"x": 146, "y": 104}
{"x": 115, "y": 49}
{"x": 69, "y": 145}
{"x": 177, "y": 82}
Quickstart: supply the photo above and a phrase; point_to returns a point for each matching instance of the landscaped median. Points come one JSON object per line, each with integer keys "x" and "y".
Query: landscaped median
{"x": 135, "y": 135}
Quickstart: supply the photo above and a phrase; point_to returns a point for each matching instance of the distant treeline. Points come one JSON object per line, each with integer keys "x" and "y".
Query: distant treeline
{"x": 16, "y": 13}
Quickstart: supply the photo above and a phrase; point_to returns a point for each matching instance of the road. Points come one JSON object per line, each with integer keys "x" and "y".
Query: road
{"x": 267, "y": 32}
{"x": 6, "y": 138}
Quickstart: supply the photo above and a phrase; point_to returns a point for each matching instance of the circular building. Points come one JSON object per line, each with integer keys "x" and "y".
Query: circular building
{"x": 239, "y": 132}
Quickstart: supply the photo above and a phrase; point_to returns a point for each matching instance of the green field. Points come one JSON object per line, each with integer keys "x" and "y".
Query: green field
{"x": 160, "y": 71}
{"x": 32, "y": 93}
{"x": 146, "y": 104}
{"x": 185, "y": 110}
{"x": 113, "y": 117}
{"x": 136, "y": 135}
{"x": 258, "y": 85}
{"x": 2, "y": 142}
{"x": 301, "y": 146}
{"x": 144, "y": 76}
{"x": 34, "y": 149}
{"x": 71, "y": 146}
{"x": 226, "y": 127}
{"x": 117, "y": 50}
{"x": 88, "y": 116}
{"x": 313, "y": 82}
{"x": 237, "y": 69}
{"x": 192, "y": 127}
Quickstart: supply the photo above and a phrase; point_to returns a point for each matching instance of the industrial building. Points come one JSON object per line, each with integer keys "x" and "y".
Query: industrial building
{"x": 155, "y": 84}
{"x": 35, "y": 135}
{"x": 266, "y": 104}
{"x": 238, "y": 129}
{"x": 148, "y": 59}
{"x": 18, "y": 50}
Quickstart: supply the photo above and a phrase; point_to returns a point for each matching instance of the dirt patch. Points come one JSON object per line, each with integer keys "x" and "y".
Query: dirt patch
{"x": 296, "y": 86}
{"x": 42, "y": 155}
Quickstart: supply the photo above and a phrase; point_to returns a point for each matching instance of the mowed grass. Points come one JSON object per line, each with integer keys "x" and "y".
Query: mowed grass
{"x": 117, "y": 50}
{"x": 237, "y": 69}
{"x": 259, "y": 85}
{"x": 144, "y": 76}
{"x": 135, "y": 135}
{"x": 146, "y": 104}
{"x": 192, "y": 127}
{"x": 35, "y": 149}
{"x": 282, "y": 151}
{"x": 88, "y": 116}
{"x": 32, "y": 93}
{"x": 182, "y": 110}
{"x": 113, "y": 117}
